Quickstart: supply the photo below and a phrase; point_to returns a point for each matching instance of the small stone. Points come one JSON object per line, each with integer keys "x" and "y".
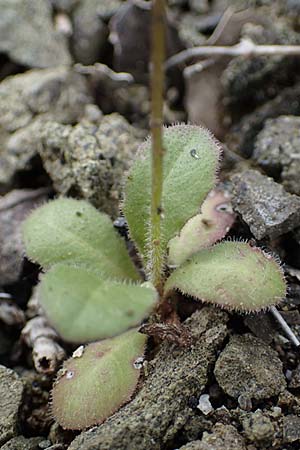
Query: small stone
{"x": 277, "y": 151}
{"x": 131, "y": 55}
{"x": 264, "y": 205}
{"x": 45, "y": 444}
{"x": 204, "y": 404}
{"x": 249, "y": 367}
{"x": 78, "y": 352}
{"x": 138, "y": 363}
{"x": 245, "y": 402}
{"x": 291, "y": 428}
{"x": 92, "y": 114}
{"x": 258, "y": 427}
{"x": 275, "y": 412}
{"x": 288, "y": 401}
{"x": 11, "y": 394}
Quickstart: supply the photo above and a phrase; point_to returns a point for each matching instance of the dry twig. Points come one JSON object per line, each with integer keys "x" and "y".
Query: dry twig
{"x": 245, "y": 47}
{"x": 103, "y": 73}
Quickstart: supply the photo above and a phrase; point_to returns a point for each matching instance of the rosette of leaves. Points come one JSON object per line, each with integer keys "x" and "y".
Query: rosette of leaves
{"x": 92, "y": 290}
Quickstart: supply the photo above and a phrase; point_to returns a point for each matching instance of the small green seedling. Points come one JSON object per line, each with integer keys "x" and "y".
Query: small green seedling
{"x": 92, "y": 291}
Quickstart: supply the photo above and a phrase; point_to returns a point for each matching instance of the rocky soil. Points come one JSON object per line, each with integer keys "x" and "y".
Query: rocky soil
{"x": 74, "y": 106}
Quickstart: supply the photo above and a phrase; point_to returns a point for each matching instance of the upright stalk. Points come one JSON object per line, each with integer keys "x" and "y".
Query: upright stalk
{"x": 157, "y": 86}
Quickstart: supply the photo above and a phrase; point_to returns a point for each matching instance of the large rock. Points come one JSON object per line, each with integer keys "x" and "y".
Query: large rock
{"x": 264, "y": 205}
{"x": 27, "y": 34}
{"x": 277, "y": 151}
{"x": 161, "y": 408}
{"x": 11, "y": 393}
{"x": 25, "y": 100}
{"x": 89, "y": 159}
{"x": 249, "y": 368}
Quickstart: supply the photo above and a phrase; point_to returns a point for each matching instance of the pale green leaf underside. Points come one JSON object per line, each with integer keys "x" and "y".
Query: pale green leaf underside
{"x": 233, "y": 275}
{"x": 92, "y": 387}
{"x": 190, "y": 164}
{"x": 73, "y": 231}
{"x": 84, "y": 307}
{"x": 202, "y": 230}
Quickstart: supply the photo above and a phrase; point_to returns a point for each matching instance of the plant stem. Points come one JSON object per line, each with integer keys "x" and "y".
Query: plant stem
{"x": 157, "y": 86}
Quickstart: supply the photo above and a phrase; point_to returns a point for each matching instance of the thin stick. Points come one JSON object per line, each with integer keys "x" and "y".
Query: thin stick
{"x": 157, "y": 86}
{"x": 245, "y": 47}
{"x": 4, "y": 295}
{"x": 288, "y": 331}
{"x": 24, "y": 196}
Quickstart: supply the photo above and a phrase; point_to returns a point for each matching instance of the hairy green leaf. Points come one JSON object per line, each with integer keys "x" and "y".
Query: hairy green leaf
{"x": 73, "y": 231}
{"x": 98, "y": 381}
{"x": 204, "y": 229}
{"x": 190, "y": 164}
{"x": 233, "y": 275}
{"x": 85, "y": 307}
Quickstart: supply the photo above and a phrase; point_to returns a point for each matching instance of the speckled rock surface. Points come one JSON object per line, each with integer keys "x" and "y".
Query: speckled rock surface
{"x": 242, "y": 135}
{"x": 258, "y": 427}
{"x": 21, "y": 443}
{"x": 25, "y": 100}
{"x": 277, "y": 151}
{"x": 161, "y": 408}
{"x": 223, "y": 437}
{"x": 28, "y": 36}
{"x": 11, "y": 393}
{"x": 264, "y": 205}
{"x": 291, "y": 428}
{"x": 89, "y": 160}
{"x": 249, "y": 368}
